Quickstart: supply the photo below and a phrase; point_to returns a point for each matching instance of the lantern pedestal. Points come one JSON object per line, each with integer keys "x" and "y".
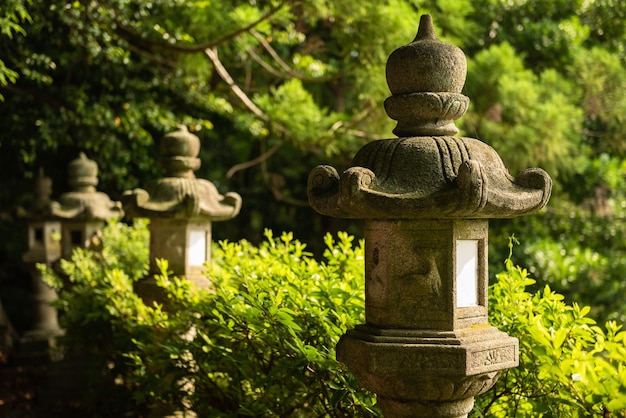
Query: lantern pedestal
{"x": 427, "y": 348}
{"x": 38, "y": 344}
{"x": 427, "y": 373}
{"x": 44, "y": 247}
{"x": 181, "y": 209}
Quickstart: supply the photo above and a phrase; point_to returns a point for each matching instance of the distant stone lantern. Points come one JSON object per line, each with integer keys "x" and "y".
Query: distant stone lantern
{"x": 44, "y": 246}
{"x": 427, "y": 349}
{"x": 83, "y": 211}
{"x": 181, "y": 209}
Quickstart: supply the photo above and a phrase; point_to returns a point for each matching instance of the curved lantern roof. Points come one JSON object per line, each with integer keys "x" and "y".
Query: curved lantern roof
{"x": 84, "y": 202}
{"x": 427, "y": 173}
{"x": 180, "y": 194}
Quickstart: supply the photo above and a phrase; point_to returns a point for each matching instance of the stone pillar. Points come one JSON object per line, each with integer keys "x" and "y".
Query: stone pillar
{"x": 181, "y": 209}
{"x": 427, "y": 349}
{"x": 44, "y": 246}
{"x": 83, "y": 211}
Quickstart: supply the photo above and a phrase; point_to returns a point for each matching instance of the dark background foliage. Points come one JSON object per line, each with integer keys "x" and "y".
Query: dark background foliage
{"x": 274, "y": 88}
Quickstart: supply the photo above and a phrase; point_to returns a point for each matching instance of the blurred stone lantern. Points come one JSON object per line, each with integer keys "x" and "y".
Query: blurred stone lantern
{"x": 181, "y": 209}
{"x": 83, "y": 211}
{"x": 44, "y": 246}
{"x": 427, "y": 349}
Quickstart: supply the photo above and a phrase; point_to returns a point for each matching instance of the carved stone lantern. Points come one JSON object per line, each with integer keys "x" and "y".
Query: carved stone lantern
{"x": 181, "y": 209}
{"x": 44, "y": 246}
{"x": 427, "y": 349}
{"x": 83, "y": 211}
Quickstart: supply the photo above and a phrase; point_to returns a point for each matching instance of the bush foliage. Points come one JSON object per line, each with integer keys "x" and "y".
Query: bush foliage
{"x": 569, "y": 366}
{"x": 262, "y": 341}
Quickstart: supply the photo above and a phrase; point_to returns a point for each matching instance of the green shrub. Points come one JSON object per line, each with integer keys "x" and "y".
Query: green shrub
{"x": 99, "y": 312}
{"x": 569, "y": 366}
{"x": 262, "y": 341}
{"x": 577, "y": 245}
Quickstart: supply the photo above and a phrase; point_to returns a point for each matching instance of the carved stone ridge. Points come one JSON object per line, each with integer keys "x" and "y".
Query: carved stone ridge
{"x": 84, "y": 202}
{"x": 180, "y": 195}
{"x": 427, "y": 373}
{"x": 470, "y": 351}
{"x": 426, "y": 178}
{"x": 182, "y": 198}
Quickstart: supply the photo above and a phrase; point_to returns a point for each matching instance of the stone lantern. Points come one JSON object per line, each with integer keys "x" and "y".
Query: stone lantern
{"x": 425, "y": 197}
{"x": 181, "y": 209}
{"x": 44, "y": 246}
{"x": 83, "y": 211}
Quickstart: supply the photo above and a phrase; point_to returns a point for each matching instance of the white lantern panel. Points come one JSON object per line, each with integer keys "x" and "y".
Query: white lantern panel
{"x": 466, "y": 273}
{"x": 196, "y": 254}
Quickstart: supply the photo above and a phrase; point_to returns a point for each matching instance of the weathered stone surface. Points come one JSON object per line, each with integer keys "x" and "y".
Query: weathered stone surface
{"x": 43, "y": 230}
{"x": 44, "y": 246}
{"x": 429, "y": 177}
{"x": 427, "y": 375}
{"x": 183, "y": 198}
{"x": 180, "y": 194}
{"x": 84, "y": 202}
{"x": 426, "y": 173}
{"x": 426, "y": 349}
{"x": 83, "y": 210}
{"x": 171, "y": 239}
{"x": 181, "y": 209}
{"x": 465, "y": 352}
{"x": 410, "y": 274}
{"x": 426, "y": 78}
{"x": 426, "y": 64}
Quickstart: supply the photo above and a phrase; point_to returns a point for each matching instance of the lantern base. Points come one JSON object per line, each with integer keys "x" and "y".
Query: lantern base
{"x": 399, "y": 409}
{"x": 427, "y": 373}
{"x": 40, "y": 347}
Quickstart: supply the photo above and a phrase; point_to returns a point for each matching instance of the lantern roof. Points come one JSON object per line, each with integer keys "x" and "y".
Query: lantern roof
{"x": 84, "y": 202}
{"x": 427, "y": 172}
{"x": 180, "y": 194}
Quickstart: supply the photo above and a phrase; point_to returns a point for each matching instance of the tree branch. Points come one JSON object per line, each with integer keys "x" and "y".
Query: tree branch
{"x": 211, "y": 53}
{"x": 258, "y": 160}
{"x": 227, "y": 37}
{"x": 224, "y": 75}
{"x": 38, "y": 95}
{"x": 265, "y": 65}
{"x": 289, "y": 72}
{"x": 272, "y": 52}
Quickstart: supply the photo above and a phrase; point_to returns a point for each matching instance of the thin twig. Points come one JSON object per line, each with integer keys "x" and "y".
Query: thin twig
{"x": 231, "y": 172}
{"x": 271, "y": 51}
{"x": 211, "y": 53}
{"x": 290, "y": 72}
{"x": 223, "y": 73}
{"x": 207, "y": 45}
{"x": 265, "y": 65}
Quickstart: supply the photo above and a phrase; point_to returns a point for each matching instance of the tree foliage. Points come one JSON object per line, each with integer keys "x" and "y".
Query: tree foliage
{"x": 13, "y": 14}
{"x": 276, "y": 87}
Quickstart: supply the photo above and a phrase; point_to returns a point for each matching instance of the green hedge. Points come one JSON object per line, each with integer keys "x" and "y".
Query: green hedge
{"x": 262, "y": 341}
